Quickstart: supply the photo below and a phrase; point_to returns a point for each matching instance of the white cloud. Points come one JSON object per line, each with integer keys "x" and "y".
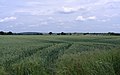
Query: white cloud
{"x": 111, "y": 15}
{"x": 50, "y": 18}
{"x": 34, "y": 25}
{"x": 82, "y": 18}
{"x": 104, "y": 20}
{"x": 91, "y": 18}
{"x": 6, "y": 19}
{"x": 70, "y": 9}
{"x": 11, "y": 26}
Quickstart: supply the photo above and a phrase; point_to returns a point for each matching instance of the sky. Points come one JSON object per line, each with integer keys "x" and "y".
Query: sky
{"x": 60, "y": 15}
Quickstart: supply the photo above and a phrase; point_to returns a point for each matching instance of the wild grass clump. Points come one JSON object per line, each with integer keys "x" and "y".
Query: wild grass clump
{"x": 2, "y": 71}
{"x": 90, "y": 63}
{"x": 28, "y": 68}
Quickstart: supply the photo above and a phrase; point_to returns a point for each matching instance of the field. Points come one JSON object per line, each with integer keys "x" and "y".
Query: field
{"x": 59, "y": 55}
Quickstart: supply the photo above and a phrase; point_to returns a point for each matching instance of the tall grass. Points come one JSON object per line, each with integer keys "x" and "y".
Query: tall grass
{"x": 59, "y": 55}
{"x": 90, "y": 63}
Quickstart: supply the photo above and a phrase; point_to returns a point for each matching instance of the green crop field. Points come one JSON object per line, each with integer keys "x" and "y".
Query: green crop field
{"x": 59, "y": 55}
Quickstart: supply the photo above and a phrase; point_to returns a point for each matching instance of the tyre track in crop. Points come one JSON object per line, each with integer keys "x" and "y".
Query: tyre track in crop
{"x": 52, "y": 56}
{"x": 24, "y": 55}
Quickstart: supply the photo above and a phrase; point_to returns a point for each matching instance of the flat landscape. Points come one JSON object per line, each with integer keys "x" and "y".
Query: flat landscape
{"x": 59, "y": 55}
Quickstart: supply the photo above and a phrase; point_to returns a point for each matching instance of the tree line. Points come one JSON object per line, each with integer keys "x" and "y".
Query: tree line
{"x": 62, "y": 33}
{"x": 6, "y": 33}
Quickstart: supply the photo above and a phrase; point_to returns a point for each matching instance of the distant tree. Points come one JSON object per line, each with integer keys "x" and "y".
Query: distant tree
{"x": 110, "y": 33}
{"x": 58, "y": 33}
{"x": 62, "y": 33}
{"x": 50, "y": 33}
{"x": 70, "y": 33}
{"x": 40, "y": 33}
{"x": 9, "y": 33}
{"x": 85, "y": 33}
{"x": 75, "y": 33}
{"x": 2, "y": 33}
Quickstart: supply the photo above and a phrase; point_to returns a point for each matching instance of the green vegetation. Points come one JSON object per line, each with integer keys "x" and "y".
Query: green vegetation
{"x": 59, "y": 55}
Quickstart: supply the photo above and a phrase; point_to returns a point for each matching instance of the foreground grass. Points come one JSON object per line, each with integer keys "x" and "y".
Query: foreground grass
{"x": 59, "y": 55}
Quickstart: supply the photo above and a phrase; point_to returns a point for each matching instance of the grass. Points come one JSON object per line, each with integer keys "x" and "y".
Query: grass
{"x": 59, "y": 55}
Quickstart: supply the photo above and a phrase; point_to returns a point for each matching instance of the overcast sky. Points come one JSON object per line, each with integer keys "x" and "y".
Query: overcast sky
{"x": 60, "y": 15}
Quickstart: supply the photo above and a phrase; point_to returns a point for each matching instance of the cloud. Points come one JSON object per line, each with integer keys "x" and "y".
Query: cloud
{"x": 104, "y": 20}
{"x": 6, "y": 19}
{"x": 82, "y": 18}
{"x": 67, "y": 10}
{"x": 50, "y": 18}
{"x": 34, "y": 25}
{"x": 35, "y": 11}
{"x": 116, "y": 25}
{"x": 91, "y": 18}
{"x": 113, "y": 5}
{"x": 71, "y": 1}
{"x": 111, "y": 15}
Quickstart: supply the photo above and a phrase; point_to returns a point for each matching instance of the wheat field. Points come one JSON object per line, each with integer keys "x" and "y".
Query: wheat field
{"x": 59, "y": 55}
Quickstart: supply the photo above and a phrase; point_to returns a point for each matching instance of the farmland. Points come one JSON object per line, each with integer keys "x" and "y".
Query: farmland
{"x": 59, "y": 55}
